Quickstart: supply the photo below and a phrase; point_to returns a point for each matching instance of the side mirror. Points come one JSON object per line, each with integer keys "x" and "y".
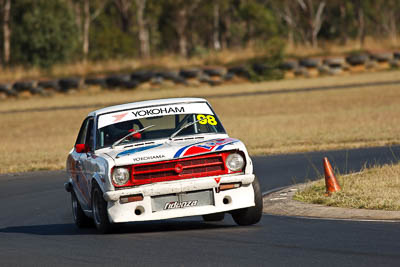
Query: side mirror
{"x": 135, "y": 135}
{"x": 81, "y": 148}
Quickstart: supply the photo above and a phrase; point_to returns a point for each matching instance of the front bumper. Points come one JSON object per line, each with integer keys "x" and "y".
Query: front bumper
{"x": 240, "y": 197}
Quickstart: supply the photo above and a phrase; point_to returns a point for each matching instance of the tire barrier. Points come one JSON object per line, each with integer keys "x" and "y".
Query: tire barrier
{"x": 240, "y": 71}
{"x": 260, "y": 68}
{"x": 210, "y": 75}
{"x": 214, "y": 72}
{"x": 38, "y": 91}
{"x": 95, "y": 81}
{"x": 49, "y": 84}
{"x": 310, "y": 62}
{"x": 142, "y": 76}
{"x": 66, "y": 84}
{"x": 336, "y": 62}
{"x": 289, "y": 65}
{"x": 115, "y": 81}
{"x": 23, "y": 86}
{"x": 189, "y": 73}
{"x": 359, "y": 59}
{"x": 7, "y": 90}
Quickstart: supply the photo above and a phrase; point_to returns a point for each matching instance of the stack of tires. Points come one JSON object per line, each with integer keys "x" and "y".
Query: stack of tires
{"x": 210, "y": 75}
{"x": 334, "y": 66}
{"x": 357, "y": 62}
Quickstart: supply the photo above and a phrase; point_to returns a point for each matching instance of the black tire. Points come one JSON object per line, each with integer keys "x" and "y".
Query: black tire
{"x": 289, "y": 65}
{"x": 382, "y": 57}
{"x": 189, "y": 73}
{"x": 167, "y": 75}
{"x": 355, "y": 60}
{"x": 180, "y": 80}
{"x": 95, "y": 81}
{"x": 142, "y": 76}
{"x": 337, "y": 62}
{"x": 309, "y": 62}
{"x": 51, "y": 84}
{"x": 69, "y": 83}
{"x": 99, "y": 210}
{"x": 396, "y": 55}
{"x": 23, "y": 86}
{"x": 251, "y": 215}
{"x": 215, "y": 217}
{"x": 117, "y": 80}
{"x": 261, "y": 68}
{"x": 130, "y": 84}
{"x": 241, "y": 71}
{"x": 214, "y": 72}
{"x": 80, "y": 219}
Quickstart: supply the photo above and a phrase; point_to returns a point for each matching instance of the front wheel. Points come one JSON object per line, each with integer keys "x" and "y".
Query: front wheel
{"x": 99, "y": 209}
{"x": 251, "y": 215}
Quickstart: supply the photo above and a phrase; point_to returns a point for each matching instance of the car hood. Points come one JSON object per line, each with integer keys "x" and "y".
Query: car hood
{"x": 169, "y": 150}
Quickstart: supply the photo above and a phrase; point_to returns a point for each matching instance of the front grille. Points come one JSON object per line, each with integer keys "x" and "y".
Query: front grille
{"x": 193, "y": 167}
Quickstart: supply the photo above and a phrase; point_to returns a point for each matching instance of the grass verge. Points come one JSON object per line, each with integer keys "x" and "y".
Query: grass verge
{"x": 267, "y": 123}
{"x": 373, "y": 188}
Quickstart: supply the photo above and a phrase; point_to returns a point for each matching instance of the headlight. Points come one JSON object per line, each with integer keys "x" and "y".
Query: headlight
{"x": 235, "y": 162}
{"x": 120, "y": 176}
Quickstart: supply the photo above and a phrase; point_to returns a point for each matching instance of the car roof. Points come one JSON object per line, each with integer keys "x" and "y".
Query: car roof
{"x": 145, "y": 103}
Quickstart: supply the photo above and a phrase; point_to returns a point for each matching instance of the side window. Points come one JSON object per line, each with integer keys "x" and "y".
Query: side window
{"x": 85, "y": 135}
{"x": 89, "y": 134}
{"x": 82, "y": 132}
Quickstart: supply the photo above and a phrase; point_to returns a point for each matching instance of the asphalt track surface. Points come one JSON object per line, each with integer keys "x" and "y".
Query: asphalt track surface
{"x": 36, "y": 227}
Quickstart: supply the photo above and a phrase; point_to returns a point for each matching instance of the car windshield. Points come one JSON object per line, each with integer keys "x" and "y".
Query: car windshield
{"x": 164, "y": 121}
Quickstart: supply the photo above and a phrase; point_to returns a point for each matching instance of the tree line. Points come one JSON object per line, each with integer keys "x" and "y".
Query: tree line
{"x": 42, "y": 32}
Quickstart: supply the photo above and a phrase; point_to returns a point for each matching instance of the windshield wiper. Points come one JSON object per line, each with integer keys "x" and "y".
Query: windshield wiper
{"x": 183, "y": 128}
{"x": 130, "y": 134}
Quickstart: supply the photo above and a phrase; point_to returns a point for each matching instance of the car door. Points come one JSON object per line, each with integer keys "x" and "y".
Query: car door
{"x": 77, "y": 165}
{"x": 85, "y": 161}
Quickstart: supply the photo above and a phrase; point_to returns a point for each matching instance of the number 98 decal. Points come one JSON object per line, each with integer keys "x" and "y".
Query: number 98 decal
{"x": 209, "y": 119}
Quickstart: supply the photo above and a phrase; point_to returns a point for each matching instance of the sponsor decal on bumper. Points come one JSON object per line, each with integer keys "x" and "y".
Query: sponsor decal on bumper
{"x": 180, "y": 205}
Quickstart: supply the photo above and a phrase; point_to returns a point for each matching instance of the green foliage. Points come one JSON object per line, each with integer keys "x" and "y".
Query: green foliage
{"x": 267, "y": 67}
{"x": 259, "y": 18}
{"x": 43, "y": 34}
{"x": 108, "y": 41}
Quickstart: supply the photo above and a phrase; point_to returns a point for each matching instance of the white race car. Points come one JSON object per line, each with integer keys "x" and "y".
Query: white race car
{"x": 159, "y": 159}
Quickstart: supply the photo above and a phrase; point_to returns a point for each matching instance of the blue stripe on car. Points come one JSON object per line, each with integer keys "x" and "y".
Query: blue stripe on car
{"x": 222, "y": 146}
{"x": 138, "y": 149}
{"x": 180, "y": 151}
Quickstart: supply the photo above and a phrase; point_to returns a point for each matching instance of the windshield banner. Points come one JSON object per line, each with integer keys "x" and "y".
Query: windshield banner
{"x": 146, "y": 112}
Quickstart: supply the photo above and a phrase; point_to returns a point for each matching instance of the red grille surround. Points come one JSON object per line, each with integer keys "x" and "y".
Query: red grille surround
{"x": 185, "y": 168}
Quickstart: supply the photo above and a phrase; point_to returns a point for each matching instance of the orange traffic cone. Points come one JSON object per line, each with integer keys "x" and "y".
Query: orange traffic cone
{"x": 331, "y": 182}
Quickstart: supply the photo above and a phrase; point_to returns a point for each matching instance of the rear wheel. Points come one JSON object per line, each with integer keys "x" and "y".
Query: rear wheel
{"x": 99, "y": 209}
{"x": 251, "y": 215}
{"x": 215, "y": 217}
{"x": 80, "y": 219}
